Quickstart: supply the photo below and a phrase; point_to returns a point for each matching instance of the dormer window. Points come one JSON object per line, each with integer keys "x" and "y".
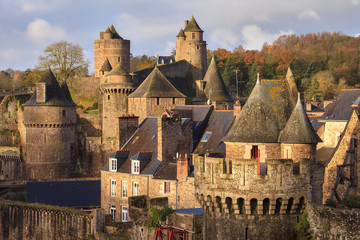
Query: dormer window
{"x": 206, "y": 137}
{"x": 113, "y": 164}
{"x": 135, "y": 166}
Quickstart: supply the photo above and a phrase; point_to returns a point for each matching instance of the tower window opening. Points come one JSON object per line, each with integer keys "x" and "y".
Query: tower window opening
{"x": 118, "y": 59}
{"x": 157, "y": 101}
{"x": 64, "y": 113}
{"x": 193, "y": 35}
{"x": 197, "y": 47}
{"x": 173, "y": 100}
{"x": 109, "y": 97}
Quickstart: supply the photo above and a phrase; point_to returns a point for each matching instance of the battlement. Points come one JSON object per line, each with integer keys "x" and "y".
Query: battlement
{"x": 256, "y": 183}
{"x": 55, "y": 125}
{"x": 117, "y": 90}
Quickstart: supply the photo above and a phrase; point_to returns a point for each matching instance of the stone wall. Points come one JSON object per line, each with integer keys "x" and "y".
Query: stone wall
{"x": 333, "y": 223}
{"x": 32, "y": 221}
{"x": 352, "y": 131}
{"x": 10, "y": 163}
{"x": 332, "y": 133}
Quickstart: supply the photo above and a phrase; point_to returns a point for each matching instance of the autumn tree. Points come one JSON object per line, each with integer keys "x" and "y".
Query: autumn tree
{"x": 65, "y": 60}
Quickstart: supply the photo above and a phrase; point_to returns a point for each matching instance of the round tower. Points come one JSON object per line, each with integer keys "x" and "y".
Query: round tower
{"x": 112, "y": 47}
{"x": 114, "y": 87}
{"x": 191, "y": 47}
{"x": 51, "y": 139}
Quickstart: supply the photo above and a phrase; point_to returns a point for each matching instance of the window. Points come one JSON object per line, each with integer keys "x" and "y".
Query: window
{"x": 135, "y": 189}
{"x": 206, "y": 137}
{"x": 113, "y": 164}
{"x": 124, "y": 214}
{"x": 166, "y": 187}
{"x": 224, "y": 166}
{"x": 109, "y": 97}
{"x": 255, "y": 153}
{"x": 64, "y": 113}
{"x": 193, "y": 35}
{"x": 124, "y": 189}
{"x": 113, "y": 211}
{"x": 113, "y": 188}
{"x": 230, "y": 167}
{"x": 173, "y": 100}
{"x": 135, "y": 169}
{"x": 157, "y": 101}
{"x": 118, "y": 59}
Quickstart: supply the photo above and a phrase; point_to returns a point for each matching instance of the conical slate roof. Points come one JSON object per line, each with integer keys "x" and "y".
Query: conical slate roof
{"x": 66, "y": 92}
{"x": 192, "y": 26}
{"x": 118, "y": 70}
{"x": 106, "y": 67}
{"x": 264, "y": 115}
{"x": 156, "y": 85}
{"x": 215, "y": 88}
{"x": 181, "y": 33}
{"x": 115, "y": 35}
{"x": 54, "y": 94}
{"x": 298, "y": 129}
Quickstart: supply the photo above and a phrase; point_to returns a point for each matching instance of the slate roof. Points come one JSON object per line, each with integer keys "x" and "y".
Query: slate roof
{"x": 215, "y": 88}
{"x": 106, "y": 67}
{"x": 192, "y": 26}
{"x": 118, "y": 70}
{"x": 66, "y": 92}
{"x": 167, "y": 172}
{"x": 181, "y": 33}
{"x": 78, "y": 193}
{"x": 264, "y": 115}
{"x": 200, "y": 115}
{"x": 54, "y": 94}
{"x": 298, "y": 129}
{"x": 218, "y": 125}
{"x": 156, "y": 85}
{"x": 114, "y": 34}
{"x": 165, "y": 60}
{"x": 340, "y": 109}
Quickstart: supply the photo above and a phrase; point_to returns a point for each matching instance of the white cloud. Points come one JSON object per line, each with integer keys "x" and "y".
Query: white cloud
{"x": 254, "y": 37}
{"x": 262, "y": 18}
{"x": 355, "y": 2}
{"x": 224, "y": 38}
{"x": 138, "y": 29}
{"x": 41, "y": 5}
{"x": 357, "y": 35}
{"x": 40, "y": 31}
{"x": 11, "y": 55}
{"x": 308, "y": 14}
{"x": 168, "y": 49}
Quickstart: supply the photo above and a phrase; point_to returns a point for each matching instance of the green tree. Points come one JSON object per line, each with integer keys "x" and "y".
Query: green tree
{"x": 253, "y": 70}
{"x": 229, "y": 74}
{"x": 65, "y": 60}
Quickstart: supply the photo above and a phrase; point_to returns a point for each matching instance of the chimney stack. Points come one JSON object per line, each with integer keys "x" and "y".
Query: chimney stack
{"x": 186, "y": 22}
{"x": 183, "y": 166}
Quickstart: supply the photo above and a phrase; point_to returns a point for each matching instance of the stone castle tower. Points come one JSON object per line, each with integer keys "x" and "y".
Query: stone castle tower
{"x": 112, "y": 47}
{"x": 191, "y": 47}
{"x": 112, "y": 65}
{"x": 51, "y": 139}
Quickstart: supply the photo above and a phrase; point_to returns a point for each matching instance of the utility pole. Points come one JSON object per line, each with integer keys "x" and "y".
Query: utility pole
{"x": 237, "y": 83}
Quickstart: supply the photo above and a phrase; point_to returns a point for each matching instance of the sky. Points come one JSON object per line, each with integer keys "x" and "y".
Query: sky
{"x": 28, "y": 26}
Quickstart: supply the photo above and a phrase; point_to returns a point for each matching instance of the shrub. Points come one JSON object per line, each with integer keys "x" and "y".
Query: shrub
{"x": 95, "y": 105}
{"x": 351, "y": 201}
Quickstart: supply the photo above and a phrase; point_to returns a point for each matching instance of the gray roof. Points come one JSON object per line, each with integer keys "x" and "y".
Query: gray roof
{"x": 165, "y": 59}
{"x": 264, "y": 115}
{"x": 298, "y": 129}
{"x": 156, "y": 85}
{"x": 106, "y": 67}
{"x": 340, "y": 109}
{"x": 118, "y": 70}
{"x": 215, "y": 88}
{"x": 54, "y": 94}
{"x": 181, "y": 33}
{"x": 218, "y": 125}
{"x": 192, "y": 26}
{"x": 66, "y": 92}
{"x": 114, "y": 34}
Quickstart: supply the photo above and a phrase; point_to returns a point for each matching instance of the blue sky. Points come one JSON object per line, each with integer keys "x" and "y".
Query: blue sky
{"x": 28, "y": 26}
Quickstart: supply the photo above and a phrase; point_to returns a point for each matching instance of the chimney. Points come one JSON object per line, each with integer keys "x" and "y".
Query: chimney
{"x": 183, "y": 166}
{"x": 237, "y": 108}
{"x": 41, "y": 92}
{"x": 168, "y": 136}
{"x": 127, "y": 127}
{"x": 308, "y": 106}
{"x": 186, "y": 22}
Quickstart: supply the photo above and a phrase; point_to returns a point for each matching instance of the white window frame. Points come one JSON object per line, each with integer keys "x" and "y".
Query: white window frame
{"x": 124, "y": 214}
{"x": 113, "y": 211}
{"x": 113, "y": 164}
{"x": 113, "y": 188}
{"x": 135, "y": 189}
{"x": 135, "y": 166}
{"x": 124, "y": 189}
